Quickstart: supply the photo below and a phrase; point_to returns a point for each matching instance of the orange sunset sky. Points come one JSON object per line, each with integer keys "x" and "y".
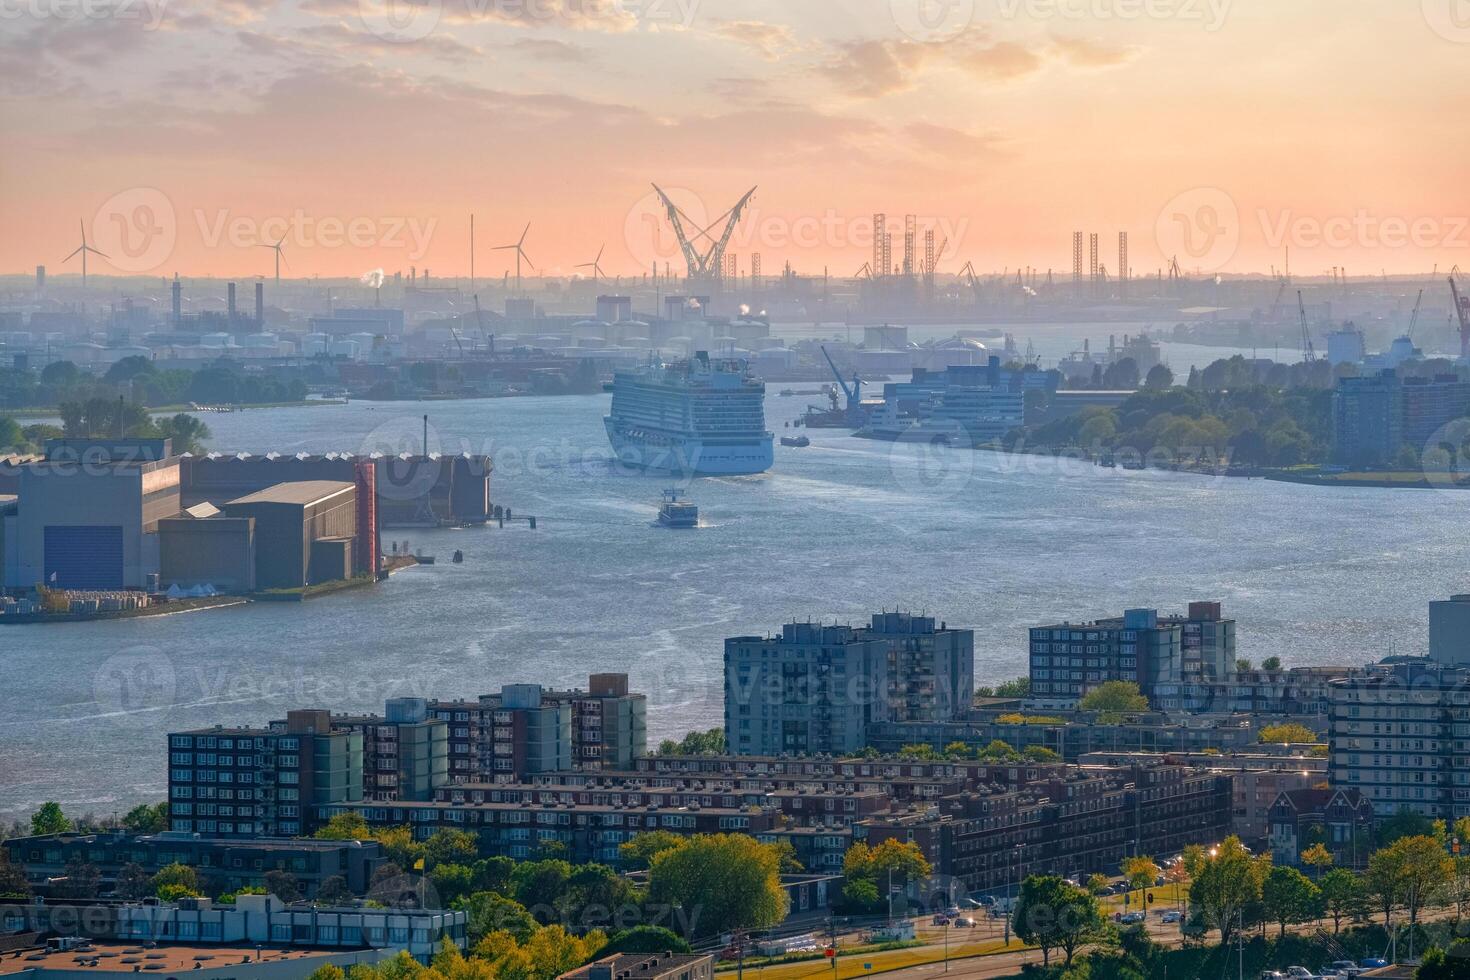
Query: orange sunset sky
{"x": 1338, "y": 127}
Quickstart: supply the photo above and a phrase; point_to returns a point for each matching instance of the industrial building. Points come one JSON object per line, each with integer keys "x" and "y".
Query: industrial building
{"x": 87, "y": 514}
{"x": 304, "y": 532}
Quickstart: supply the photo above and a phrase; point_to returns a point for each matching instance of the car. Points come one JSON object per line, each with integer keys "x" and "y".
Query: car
{"x": 941, "y": 919}
{"x": 963, "y": 922}
{"x": 1171, "y": 916}
{"x": 1373, "y": 963}
{"x": 1131, "y": 918}
{"x": 1272, "y": 975}
{"x": 1300, "y": 973}
{"x": 985, "y": 900}
{"x": 952, "y": 911}
{"x": 1346, "y": 968}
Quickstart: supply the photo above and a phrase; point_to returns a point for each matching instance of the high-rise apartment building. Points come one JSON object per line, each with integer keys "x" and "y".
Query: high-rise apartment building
{"x": 262, "y": 782}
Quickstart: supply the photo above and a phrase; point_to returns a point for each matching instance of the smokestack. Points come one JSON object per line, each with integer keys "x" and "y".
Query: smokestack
{"x": 40, "y": 278}
{"x": 230, "y": 294}
{"x": 178, "y": 300}
{"x": 260, "y": 303}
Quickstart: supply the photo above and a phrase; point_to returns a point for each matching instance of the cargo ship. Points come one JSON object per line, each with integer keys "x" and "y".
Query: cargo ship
{"x": 699, "y": 417}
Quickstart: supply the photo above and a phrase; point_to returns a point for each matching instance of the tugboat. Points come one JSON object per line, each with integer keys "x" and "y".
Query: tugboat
{"x": 677, "y": 513}
{"x": 799, "y": 442}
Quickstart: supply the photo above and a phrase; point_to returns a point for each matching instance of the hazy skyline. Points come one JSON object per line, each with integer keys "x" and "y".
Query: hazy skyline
{"x": 183, "y": 134}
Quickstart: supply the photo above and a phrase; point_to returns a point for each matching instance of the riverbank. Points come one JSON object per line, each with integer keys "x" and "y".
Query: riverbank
{"x": 44, "y": 413}
{"x": 165, "y": 608}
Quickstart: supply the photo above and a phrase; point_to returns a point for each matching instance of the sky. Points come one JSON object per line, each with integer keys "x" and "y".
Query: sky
{"x": 187, "y": 136}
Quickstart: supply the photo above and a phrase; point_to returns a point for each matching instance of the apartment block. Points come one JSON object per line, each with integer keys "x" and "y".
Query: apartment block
{"x": 1399, "y": 733}
{"x": 815, "y": 688}
{"x": 405, "y": 752}
{"x": 261, "y": 782}
{"x": 1153, "y": 651}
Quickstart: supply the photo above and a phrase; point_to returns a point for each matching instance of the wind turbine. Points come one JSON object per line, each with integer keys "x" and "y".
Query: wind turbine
{"x": 82, "y": 250}
{"x": 595, "y": 266}
{"x": 277, "y": 249}
{"x": 520, "y": 254}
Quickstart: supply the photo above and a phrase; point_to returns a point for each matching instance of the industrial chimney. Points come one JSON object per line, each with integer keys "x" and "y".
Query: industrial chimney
{"x": 260, "y": 304}
{"x": 178, "y": 300}
{"x": 230, "y": 294}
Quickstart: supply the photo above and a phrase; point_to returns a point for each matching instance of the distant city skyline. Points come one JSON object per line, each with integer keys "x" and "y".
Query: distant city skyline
{"x": 360, "y": 136}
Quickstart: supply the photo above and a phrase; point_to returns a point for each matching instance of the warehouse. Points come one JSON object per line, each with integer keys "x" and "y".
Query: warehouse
{"x": 304, "y": 532}
{"x": 200, "y": 547}
{"x": 88, "y": 512}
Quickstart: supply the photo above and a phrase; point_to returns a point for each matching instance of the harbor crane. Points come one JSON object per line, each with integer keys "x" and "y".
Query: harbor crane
{"x": 1462, "y": 311}
{"x": 709, "y": 264}
{"x": 1309, "y": 353}
{"x": 854, "y": 393}
{"x": 1414, "y": 317}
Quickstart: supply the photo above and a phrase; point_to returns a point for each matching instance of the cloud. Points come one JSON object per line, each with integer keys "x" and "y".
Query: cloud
{"x": 875, "y": 68}
{"x": 770, "y": 41}
{"x": 549, "y": 49}
{"x": 949, "y": 142}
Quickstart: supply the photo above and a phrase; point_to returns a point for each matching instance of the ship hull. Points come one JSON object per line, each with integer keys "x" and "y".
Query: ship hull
{"x": 686, "y": 456}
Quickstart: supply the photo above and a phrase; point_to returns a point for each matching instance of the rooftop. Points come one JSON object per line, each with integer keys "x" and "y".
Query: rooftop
{"x": 128, "y": 958}
{"x": 302, "y": 494}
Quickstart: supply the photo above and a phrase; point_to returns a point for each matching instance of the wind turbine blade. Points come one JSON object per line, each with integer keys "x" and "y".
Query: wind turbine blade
{"x": 82, "y": 225}
{"x": 502, "y": 248}
{"x": 599, "y": 253}
{"x": 74, "y": 254}
{"x": 528, "y": 260}
{"x": 524, "y": 234}
{"x": 279, "y": 242}
{"x": 282, "y": 256}
{"x": 94, "y": 251}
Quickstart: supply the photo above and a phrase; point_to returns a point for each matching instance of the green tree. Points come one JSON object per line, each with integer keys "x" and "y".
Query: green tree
{"x": 1159, "y": 376}
{"x": 176, "y": 875}
{"x": 1405, "y": 823}
{"x": 1053, "y": 914}
{"x": 449, "y": 846}
{"x": 283, "y": 885}
{"x": 1225, "y": 881}
{"x": 1286, "y": 732}
{"x": 711, "y": 742}
{"x": 1318, "y": 858}
{"x": 49, "y": 819}
{"x": 133, "y": 882}
{"x": 645, "y": 939}
{"x": 1409, "y": 872}
{"x": 81, "y": 879}
{"x": 1018, "y": 688}
{"x": 538, "y": 884}
{"x": 1113, "y": 699}
{"x": 998, "y": 751}
{"x": 1289, "y": 897}
{"x": 1441, "y": 965}
{"x": 345, "y": 826}
{"x": 146, "y": 819}
{"x": 12, "y": 438}
{"x": 188, "y": 432}
{"x": 1040, "y": 753}
{"x": 722, "y": 882}
{"x": 638, "y": 853}
{"x": 1272, "y": 664}
{"x": 1342, "y": 896}
{"x": 487, "y": 912}
{"x": 1141, "y": 872}
{"x": 333, "y": 891}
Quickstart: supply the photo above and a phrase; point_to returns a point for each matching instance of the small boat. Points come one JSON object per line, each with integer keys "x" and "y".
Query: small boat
{"x": 799, "y": 442}
{"x": 677, "y": 513}
{"x": 787, "y": 393}
{"x": 424, "y": 559}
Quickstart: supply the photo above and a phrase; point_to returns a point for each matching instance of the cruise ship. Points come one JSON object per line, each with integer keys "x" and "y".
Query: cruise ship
{"x": 696, "y": 418}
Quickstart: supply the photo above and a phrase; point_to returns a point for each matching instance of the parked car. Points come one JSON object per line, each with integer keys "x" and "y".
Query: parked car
{"x": 1131, "y": 918}
{"x": 1346, "y": 968}
{"x": 952, "y": 911}
{"x": 941, "y": 919}
{"x": 1299, "y": 973}
{"x": 1272, "y": 975}
{"x": 1373, "y": 962}
{"x": 1172, "y": 915}
{"x": 964, "y": 922}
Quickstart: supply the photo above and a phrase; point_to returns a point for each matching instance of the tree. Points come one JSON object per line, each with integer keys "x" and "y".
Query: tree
{"x": 1272, "y": 664}
{"x": 187, "y": 432}
{"x": 786, "y": 851}
{"x": 998, "y": 751}
{"x": 449, "y": 846}
{"x": 49, "y": 819}
{"x": 1439, "y": 964}
{"x": 1053, "y": 914}
{"x": 957, "y": 750}
{"x": 145, "y": 819}
{"x": 176, "y": 876}
{"x": 333, "y": 891}
{"x": 638, "y": 853}
{"x": 722, "y": 882}
{"x": 538, "y": 884}
{"x": 283, "y": 885}
{"x": 12, "y": 438}
{"x": 1410, "y": 870}
{"x": 1018, "y": 688}
{"x": 344, "y": 826}
{"x": 133, "y": 882}
{"x": 1159, "y": 376}
{"x": 1286, "y": 732}
{"x": 1040, "y": 754}
{"x": 1288, "y": 897}
{"x": 1141, "y": 873}
{"x": 60, "y": 374}
{"x": 1113, "y": 699}
{"x": 1098, "y": 884}
{"x": 82, "y": 879}
{"x": 1342, "y": 896}
{"x": 1405, "y": 823}
{"x": 398, "y": 844}
{"x": 711, "y": 742}
{"x": 645, "y": 939}
{"x": 1225, "y": 882}
{"x": 487, "y": 912}
{"x": 1318, "y": 858}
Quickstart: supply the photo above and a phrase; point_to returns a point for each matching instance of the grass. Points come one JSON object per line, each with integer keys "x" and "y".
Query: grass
{"x": 313, "y": 591}
{"x": 849, "y": 962}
